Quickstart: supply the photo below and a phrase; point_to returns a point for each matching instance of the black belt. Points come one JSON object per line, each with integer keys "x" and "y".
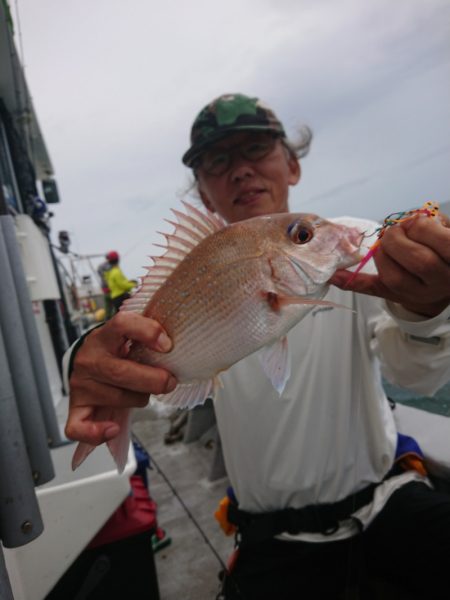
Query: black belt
{"x": 315, "y": 518}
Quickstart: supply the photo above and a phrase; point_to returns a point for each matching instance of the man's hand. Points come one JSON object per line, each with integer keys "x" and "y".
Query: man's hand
{"x": 413, "y": 263}
{"x": 102, "y": 376}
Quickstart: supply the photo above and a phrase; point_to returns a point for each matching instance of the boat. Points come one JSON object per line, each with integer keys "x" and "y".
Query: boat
{"x": 49, "y": 514}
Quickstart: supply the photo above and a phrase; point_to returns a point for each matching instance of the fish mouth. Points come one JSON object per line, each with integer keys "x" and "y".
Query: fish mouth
{"x": 351, "y": 246}
{"x": 249, "y": 196}
{"x": 355, "y": 239}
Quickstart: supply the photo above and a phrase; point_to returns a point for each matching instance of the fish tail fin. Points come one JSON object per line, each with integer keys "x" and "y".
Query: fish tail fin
{"x": 118, "y": 446}
{"x": 82, "y": 451}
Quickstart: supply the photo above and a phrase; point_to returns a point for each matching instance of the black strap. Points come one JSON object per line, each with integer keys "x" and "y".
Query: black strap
{"x": 319, "y": 518}
{"x": 77, "y": 346}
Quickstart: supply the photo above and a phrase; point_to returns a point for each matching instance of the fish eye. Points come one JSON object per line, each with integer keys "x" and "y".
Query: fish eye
{"x": 299, "y": 233}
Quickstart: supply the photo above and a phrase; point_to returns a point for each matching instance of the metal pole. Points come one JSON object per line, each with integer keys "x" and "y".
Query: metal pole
{"x": 20, "y": 519}
{"x": 24, "y": 383}
{"x": 5, "y": 586}
{"x": 31, "y": 333}
{"x": 68, "y": 331}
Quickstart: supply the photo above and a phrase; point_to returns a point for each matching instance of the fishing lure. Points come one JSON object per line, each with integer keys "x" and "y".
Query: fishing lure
{"x": 429, "y": 209}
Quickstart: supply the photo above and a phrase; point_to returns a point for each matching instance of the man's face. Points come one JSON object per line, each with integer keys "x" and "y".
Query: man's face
{"x": 237, "y": 183}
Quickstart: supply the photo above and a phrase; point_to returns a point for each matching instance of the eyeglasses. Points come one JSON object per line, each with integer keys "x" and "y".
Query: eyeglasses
{"x": 217, "y": 161}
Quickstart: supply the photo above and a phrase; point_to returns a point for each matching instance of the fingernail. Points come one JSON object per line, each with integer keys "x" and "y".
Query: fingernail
{"x": 111, "y": 432}
{"x": 171, "y": 384}
{"x": 163, "y": 343}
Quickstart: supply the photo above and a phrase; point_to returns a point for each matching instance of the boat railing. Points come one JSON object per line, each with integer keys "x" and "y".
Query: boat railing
{"x": 28, "y": 424}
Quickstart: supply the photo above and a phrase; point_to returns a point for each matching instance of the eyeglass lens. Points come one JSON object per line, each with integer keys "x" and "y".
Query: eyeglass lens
{"x": 217, "y": 161}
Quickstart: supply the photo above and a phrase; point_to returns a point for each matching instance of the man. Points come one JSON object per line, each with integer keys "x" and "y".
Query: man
{"x": 320, "y": 502}
{"x": 119, "y": 286}
{"x": 103, "y": 271}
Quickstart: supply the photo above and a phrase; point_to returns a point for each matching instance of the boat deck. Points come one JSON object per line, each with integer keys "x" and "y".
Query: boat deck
{"x": 179, "y": 483}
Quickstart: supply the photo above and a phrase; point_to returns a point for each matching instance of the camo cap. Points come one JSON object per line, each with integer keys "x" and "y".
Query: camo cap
{"x": 228, "y": 114}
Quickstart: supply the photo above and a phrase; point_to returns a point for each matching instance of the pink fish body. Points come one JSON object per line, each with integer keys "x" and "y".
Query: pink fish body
{"x": 223, "y": 292}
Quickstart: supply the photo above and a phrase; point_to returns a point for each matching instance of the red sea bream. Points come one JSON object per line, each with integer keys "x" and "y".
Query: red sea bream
{"x": 223, "y": 292}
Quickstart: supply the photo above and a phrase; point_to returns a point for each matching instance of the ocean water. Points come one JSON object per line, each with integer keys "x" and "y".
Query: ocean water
{"x": 438, "y": 404}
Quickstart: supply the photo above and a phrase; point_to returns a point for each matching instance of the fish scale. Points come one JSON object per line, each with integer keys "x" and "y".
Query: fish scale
{"x": 213, "y": 303}
{"x": 192, "y": 325}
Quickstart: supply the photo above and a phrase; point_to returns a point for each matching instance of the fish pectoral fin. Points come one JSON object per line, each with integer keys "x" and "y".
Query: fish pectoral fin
{"x": 276, "y": 363}
{"x": 277, "y": 301}
{"x": 188, "y": 395}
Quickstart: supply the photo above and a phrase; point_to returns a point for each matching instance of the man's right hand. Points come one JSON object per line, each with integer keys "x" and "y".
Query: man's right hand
{"x": 103, "y": 377}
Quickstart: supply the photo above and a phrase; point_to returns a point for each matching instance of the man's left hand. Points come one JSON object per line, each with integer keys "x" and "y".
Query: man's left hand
{"x": 413, "y": 263}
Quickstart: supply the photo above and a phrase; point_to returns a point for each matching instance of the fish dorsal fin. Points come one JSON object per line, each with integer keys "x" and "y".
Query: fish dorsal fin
{"x": 190, "y": 228}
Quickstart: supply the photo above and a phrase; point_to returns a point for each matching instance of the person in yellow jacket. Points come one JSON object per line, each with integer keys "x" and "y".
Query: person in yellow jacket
{"x": 119, "y": 286}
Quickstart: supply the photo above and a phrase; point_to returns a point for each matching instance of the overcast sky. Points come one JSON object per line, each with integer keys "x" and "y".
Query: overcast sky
{"x": 116, "y": 86}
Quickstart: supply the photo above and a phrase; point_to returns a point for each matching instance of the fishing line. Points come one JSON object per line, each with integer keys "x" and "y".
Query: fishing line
{"x": 190, "y": 515}
{"x": 181, "y": 501}
{"x": 353, "y": 553}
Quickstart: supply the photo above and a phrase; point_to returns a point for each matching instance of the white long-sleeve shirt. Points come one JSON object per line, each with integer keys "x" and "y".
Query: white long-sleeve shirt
{"x": 332, "y": 431}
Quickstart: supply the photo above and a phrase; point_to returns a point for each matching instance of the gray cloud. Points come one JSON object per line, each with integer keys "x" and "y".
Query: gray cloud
{"x": 116, "y": 87}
